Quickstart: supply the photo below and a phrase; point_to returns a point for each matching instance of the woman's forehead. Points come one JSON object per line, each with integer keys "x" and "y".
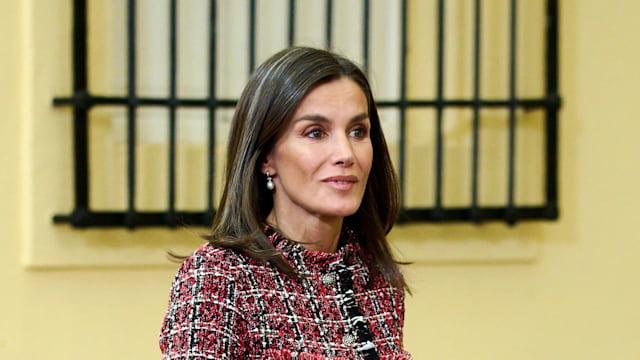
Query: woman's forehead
{"x": 341, "y": 96}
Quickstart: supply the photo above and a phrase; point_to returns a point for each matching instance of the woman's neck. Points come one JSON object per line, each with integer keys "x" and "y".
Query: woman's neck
{"x": 314, "y": 233}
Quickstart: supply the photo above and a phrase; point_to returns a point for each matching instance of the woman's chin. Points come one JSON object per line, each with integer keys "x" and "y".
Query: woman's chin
{"x": 341, "y": 212}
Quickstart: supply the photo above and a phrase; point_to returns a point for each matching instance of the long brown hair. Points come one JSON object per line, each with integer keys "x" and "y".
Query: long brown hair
{"x": 266, "y": 105}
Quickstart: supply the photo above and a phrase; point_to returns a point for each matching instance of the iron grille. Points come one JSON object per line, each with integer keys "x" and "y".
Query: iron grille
{"x": 83, "y": 100}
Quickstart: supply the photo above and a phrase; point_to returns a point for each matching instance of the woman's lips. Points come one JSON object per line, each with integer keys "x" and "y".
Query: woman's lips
{"x": 342, "y": 182}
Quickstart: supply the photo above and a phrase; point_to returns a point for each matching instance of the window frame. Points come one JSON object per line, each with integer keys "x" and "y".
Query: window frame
{"x": 83, "y": 100}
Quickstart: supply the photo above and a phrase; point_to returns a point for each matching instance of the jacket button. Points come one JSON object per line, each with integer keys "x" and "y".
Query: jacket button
{"x": 328, "y": 279}
{"x": 348, "y": 339}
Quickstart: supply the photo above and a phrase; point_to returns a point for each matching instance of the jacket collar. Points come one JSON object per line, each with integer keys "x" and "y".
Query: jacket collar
{"x": 295, "y": 253}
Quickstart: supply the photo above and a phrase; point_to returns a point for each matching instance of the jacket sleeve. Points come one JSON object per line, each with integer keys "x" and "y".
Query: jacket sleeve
{"x": 202, "y": 321}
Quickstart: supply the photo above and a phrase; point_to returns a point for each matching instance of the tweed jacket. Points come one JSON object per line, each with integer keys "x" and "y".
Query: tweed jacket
{"x": 225, "y": 305}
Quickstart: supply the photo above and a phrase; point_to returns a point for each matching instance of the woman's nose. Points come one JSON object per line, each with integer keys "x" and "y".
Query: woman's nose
{"x": 343, "y": 151}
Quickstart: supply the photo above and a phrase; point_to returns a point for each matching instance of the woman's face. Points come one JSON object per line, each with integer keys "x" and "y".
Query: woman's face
{"x": 320, "y": 165}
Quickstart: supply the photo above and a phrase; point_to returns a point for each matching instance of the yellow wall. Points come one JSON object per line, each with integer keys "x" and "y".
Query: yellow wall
{"x": 566, "y": 290}
{"x": 11, "y": 93}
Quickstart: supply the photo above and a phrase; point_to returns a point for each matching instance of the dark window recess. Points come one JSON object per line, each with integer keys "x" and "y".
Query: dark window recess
{"x": 83, "y": 100}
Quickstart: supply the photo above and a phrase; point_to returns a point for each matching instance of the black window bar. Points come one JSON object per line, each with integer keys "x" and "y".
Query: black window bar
{"x": 83, "y": 100}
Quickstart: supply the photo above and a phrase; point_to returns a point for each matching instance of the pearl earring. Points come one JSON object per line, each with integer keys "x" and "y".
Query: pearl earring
{"x": 270, "y": 184}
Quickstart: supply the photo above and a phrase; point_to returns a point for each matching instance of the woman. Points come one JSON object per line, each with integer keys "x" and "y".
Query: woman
{"x": 297, "y": 265}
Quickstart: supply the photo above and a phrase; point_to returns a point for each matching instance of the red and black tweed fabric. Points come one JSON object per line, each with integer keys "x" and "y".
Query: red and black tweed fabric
{"x": 225, "y": 305}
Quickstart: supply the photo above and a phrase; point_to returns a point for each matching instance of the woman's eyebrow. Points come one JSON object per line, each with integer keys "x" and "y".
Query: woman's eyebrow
{"x": 321, "y": 118}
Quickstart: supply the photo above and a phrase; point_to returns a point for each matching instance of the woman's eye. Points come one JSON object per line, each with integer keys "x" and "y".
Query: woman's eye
{"x": 315, "y": 133}
{"x": 359, "y": 132}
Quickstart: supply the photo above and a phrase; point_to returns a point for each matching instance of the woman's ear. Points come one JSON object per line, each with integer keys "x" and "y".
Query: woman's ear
{"x": 267, "y": 166}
